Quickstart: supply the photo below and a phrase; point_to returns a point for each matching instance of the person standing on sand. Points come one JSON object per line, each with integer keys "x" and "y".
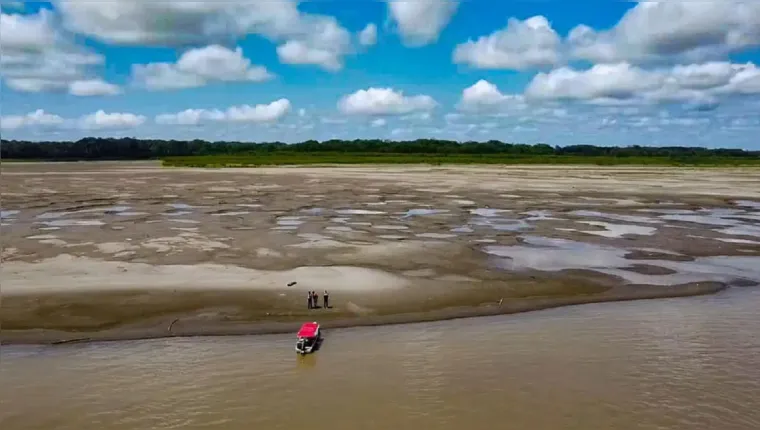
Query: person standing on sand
{"x": 316, "y": 299}
{"x": 325, "y": 300}
{"x": 309, "y": 301}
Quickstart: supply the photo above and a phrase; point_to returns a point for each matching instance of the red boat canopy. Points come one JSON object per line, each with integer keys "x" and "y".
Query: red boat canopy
{"x": 308, "y": 330}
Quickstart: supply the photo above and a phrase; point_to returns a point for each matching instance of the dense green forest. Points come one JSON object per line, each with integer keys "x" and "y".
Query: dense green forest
{"x": 204, "y": 153}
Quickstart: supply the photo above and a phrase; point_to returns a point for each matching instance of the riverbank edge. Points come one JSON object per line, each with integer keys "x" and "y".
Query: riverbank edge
{"x": 173, "y": 326}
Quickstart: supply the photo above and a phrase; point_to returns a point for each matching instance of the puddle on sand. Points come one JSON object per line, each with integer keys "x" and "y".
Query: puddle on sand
{"x": 73, "y": 222}
{"x": 358, "y": 212}
{"x": 463, "y": 229}
{"x": 618, "y": 230}
{"x": 313, "y": 211}
{"x": 232, "y": 213}
{"x": 539, "y": 215}
{"x": 742, "y": 230}
{"x": 391, "y": 237}
{"x": 390, "y": 227}
{"x": 436, "y": 235}
{"x": 289, "y": 221}
{"x": 501, "y": 224}
{"x": 186, "y": 221}
{"x": 616, "y": 217}
{"x": 550, "y": 254}
{"x": 747, "y": 204}
{"x": 339, "y": 228}
{"x": 488, "y": 212}
{"x": 110, "y": 210}
{"x": 180, "y": 206}
{"x": 422, "y": 211}
{"x": 8, "y": 214}
{"x": 285, "y": 227}
{"x": 702, "y": 219}
{"x": 177, "y": 213}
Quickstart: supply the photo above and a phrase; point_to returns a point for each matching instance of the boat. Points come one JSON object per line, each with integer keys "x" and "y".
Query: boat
{"x": 309, "y": 337}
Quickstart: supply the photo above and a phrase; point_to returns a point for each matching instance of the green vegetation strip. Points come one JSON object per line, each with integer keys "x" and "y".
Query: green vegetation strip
{"x": 290, "y": 158}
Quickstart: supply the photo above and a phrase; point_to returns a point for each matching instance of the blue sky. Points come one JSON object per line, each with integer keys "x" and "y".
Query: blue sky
{"x": 595, "y": 72}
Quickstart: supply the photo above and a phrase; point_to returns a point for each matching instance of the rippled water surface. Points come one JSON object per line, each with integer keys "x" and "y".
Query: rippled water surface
{"x": 664, "y": 364}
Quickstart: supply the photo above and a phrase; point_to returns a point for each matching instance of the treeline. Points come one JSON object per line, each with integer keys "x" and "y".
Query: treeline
{"x": 142, "y": 149}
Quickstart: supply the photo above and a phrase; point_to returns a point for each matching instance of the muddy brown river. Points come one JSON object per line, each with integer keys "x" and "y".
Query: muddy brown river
{"x": 690, "y": 363}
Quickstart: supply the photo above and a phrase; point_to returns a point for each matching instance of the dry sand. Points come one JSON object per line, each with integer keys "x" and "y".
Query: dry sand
{"x": 128, "y": 250}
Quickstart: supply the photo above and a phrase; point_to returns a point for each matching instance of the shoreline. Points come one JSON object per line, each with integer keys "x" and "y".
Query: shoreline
{"x": 174, "y": 326}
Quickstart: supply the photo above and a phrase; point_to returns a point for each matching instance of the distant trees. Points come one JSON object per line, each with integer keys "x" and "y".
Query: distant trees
{"x": 92, "y": 148}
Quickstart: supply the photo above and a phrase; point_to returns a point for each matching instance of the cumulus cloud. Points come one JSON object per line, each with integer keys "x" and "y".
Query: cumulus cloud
{"x": 102, "y": 120}
{"x": 198, "y": 67}
{"x": 261, "y": 113}
{"x": 179, "y": 23}
{"x": 625, "y": 83}
{"x": 379, "y": 122}
{"x": 674, "y": 30}
{"x": 368, "y": 36}
{"x": 37, "y": 57}
{"x": 93, "y": 87}
{"x": 384, "y": 101}
{"x": 36, "y": 118}
{"x": 520, "y": 45}
{"x": 484, "y": 95}
{"x": 420, "y": 22}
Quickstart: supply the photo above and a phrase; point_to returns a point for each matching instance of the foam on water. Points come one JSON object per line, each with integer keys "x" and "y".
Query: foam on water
{"x": 551, "y": 254}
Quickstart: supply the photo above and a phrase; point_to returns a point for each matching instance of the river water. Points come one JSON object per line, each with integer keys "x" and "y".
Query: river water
{"x": 674, "y": 364}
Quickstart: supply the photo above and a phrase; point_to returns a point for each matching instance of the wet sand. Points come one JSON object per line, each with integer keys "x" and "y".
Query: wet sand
{"x": 108, "y": 251}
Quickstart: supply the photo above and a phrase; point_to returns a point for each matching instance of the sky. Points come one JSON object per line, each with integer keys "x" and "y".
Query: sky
{"x": 600, "y": 72}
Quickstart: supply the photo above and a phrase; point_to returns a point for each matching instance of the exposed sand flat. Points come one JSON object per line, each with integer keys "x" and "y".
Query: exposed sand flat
{"x": 126, "y": 246}
{"x": 66, "y": 273}
{"x": 627, "y": 180}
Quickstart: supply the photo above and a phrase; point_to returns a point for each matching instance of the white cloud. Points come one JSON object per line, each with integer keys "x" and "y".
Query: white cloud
{"x": 378, "y": 122}
{"x": 198, "y": 67}
{"x": 698, "y": 84}
{"x": 485, "y": 95}
{"x": 36, "y": 57}
{"x": 261, "y": 113}
{"x": 520, "y": 45}
{"x": 421, "y": 21}
{"x": 297, "y": 52}
{"x": 101, "y": 120}
{"x": 93, "y": 87}
{"x": 384, "y": 101}
{"x": 674, "y": 31}
{"x": 368, "y": 36}
{"x": 36, "y": 118}
{"x": 177, "y": 23}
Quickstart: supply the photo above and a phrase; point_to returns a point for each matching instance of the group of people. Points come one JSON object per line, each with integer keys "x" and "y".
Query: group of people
{"x": 313, "y": 300}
